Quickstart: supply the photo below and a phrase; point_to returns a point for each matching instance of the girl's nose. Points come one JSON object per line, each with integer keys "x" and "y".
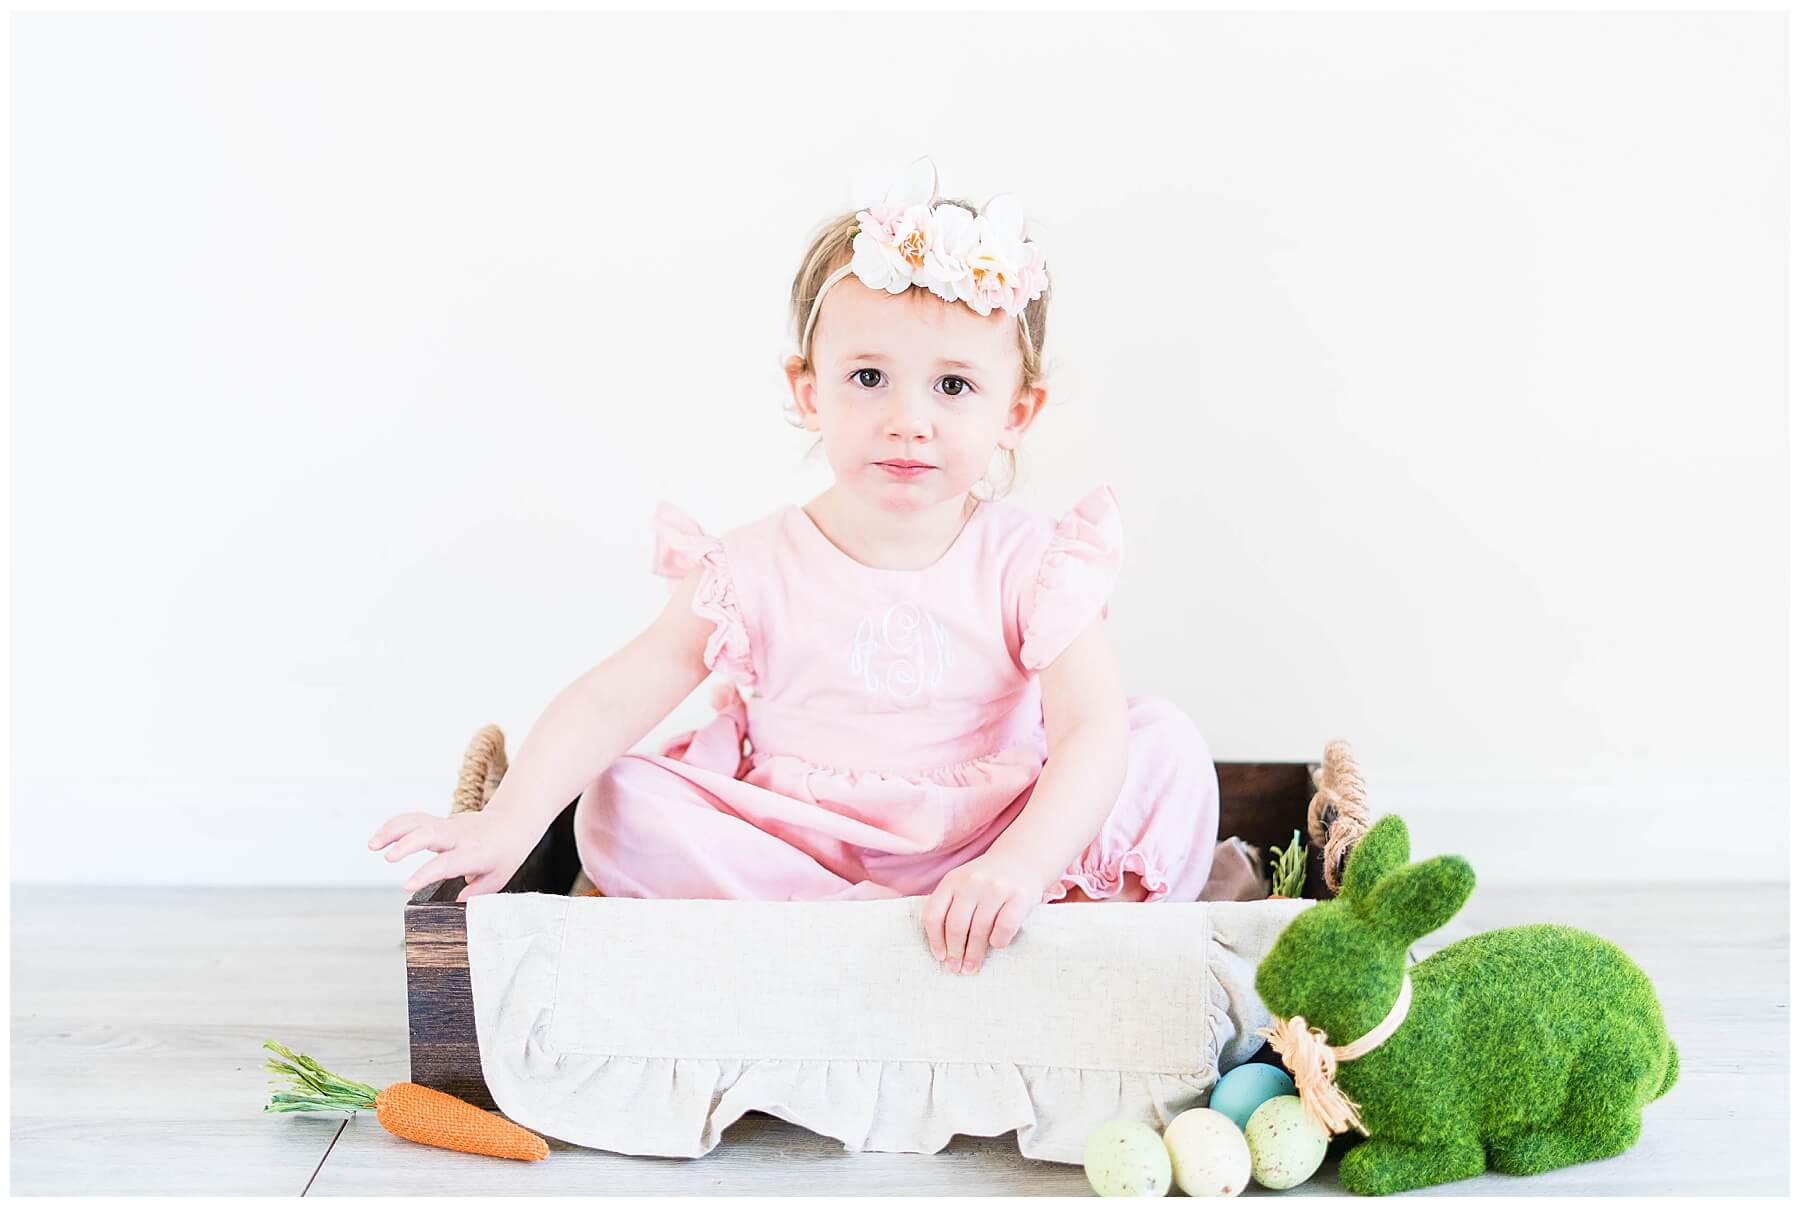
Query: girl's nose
{"x": 909, "y": 420}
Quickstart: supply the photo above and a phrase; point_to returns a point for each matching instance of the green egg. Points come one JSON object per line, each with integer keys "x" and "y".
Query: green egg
{"x": 1286, "y": 1145}
{"x": 1125, "y": 1157}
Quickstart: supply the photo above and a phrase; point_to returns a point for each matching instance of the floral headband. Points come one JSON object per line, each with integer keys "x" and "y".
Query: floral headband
{"x": 981, "y": 259}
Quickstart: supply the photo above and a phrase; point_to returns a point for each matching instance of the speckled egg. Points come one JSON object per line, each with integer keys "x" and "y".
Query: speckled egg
{"x": 1286, "y": 1146}
{"x": 1247, "y": 1087}
{"x": 1208, "y": 1152}
{"x": 1125, "y": 1157}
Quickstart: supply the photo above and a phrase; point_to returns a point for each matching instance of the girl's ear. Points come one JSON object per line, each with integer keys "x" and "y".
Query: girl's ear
{"x": 1020, "y": 415}
{"x": 1419, "y": 898}
{"x": 1385, "y": 848}
{"x": 802, "y": 383}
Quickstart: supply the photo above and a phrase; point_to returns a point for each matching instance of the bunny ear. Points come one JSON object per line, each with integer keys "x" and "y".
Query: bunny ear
{"x": 1005, "y": 216}
{"x": 1414, "y": 901}
{"x": 1383, "y": 849}
{"x": 916, "y": 186}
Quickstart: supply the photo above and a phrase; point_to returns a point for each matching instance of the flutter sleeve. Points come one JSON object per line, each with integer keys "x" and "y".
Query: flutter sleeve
{"x": 680, "y": 545}
{"x": 1074, "y": 579}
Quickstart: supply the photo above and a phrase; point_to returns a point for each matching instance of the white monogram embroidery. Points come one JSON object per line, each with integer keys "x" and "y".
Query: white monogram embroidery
{"x": 903, "y": 653}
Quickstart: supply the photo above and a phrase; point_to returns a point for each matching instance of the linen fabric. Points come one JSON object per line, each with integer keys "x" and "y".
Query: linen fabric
{"x": 650, "y": 1026}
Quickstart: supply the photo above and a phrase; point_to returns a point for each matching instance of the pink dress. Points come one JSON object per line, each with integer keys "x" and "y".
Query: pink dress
{"x": 894, "y": 725}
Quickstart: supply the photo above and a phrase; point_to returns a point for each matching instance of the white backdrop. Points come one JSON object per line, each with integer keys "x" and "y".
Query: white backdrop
{"x": 1438, "y": 361}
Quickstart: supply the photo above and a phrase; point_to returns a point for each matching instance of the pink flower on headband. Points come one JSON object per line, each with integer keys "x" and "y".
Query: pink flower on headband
{"x": 1033, "y": 280}
{"x": 885, "y": 222}
{"x": 1005, "y": 273}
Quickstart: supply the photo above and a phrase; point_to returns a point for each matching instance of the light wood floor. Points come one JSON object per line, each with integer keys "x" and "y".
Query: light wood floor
{"x": 138, "y": 1015}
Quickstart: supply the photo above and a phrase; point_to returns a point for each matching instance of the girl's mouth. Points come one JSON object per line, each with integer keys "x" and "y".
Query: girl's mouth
{"x": 904, "y": 469}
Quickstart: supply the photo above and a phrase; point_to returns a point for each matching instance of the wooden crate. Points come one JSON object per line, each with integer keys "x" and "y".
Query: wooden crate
{"x": 1262, "y": 803}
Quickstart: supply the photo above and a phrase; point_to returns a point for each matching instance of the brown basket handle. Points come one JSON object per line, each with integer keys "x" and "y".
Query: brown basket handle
{"x": 1338, "y": 815}
{"x": 484, "y": 762}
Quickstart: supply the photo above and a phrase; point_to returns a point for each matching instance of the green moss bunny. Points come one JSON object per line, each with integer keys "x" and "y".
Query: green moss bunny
{"x": 1522, "y": 1050}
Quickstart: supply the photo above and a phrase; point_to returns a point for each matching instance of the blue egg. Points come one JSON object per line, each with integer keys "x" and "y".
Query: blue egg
{"x": 1247, "y": 1087}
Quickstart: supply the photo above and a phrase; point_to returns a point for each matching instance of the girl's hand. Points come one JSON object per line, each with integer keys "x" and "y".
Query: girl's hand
{"x": 484, "y": 849}
{"x": 980, "y": 904}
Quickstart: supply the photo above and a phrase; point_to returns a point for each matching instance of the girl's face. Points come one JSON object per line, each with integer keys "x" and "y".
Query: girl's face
{"x": 910, "y": 377}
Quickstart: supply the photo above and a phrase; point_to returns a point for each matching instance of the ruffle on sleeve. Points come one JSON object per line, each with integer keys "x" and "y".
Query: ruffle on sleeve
{"x": 1077, "y": 574}
{"x": 680, "y": 545}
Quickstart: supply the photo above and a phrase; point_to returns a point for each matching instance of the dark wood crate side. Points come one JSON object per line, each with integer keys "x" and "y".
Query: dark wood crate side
{"x": 1262, "y": 803}
{"x": 440, "y": 1008}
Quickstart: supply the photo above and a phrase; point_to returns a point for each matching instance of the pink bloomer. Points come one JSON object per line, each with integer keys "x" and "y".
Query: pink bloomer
{"x": 893, "y": 725}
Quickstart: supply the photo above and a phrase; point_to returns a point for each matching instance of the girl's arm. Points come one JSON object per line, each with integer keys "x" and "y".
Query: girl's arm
{"x": 589, "y": 724}
{"x": 606, "y": 712}
{"x": 1086, "y": 730}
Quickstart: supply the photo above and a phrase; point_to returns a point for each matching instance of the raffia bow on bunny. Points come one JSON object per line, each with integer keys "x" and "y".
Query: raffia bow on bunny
{"x": 1523, "y": 1049}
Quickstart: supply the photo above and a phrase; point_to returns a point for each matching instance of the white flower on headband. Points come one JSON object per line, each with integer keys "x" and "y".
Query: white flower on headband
{"x": 889, "y": 246}
{"x": 952, "y": 236}
{"x": 981, "y": 259}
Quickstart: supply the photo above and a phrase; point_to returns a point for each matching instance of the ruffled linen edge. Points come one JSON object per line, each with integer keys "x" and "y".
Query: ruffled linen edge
{"x": 680, "y": 545}
{"x": 1079, "y": 568}
{"x": 680, "y": 1107}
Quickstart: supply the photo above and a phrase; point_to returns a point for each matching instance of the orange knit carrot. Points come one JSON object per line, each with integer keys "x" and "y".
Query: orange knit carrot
{"x": 412, "y": 1112}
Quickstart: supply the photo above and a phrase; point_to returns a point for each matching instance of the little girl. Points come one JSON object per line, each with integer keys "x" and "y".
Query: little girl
{"x": 933, "y": 707}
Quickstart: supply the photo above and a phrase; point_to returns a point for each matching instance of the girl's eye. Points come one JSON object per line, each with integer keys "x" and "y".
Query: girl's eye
{"x": 871, "y": 378}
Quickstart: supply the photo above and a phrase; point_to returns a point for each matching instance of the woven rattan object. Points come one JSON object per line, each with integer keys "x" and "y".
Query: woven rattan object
{"x": 484, "y": 762}
{"x": 1338, "y": 816}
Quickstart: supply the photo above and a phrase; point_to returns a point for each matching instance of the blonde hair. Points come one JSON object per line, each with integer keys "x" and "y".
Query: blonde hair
{"x": 830, "y": 249}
